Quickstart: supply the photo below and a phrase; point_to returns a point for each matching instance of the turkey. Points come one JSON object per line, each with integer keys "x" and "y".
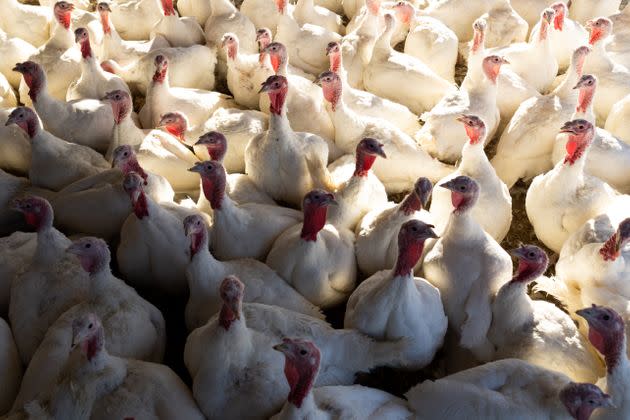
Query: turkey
{"x": 562, "y": 200}
{"x": 442, "y": 135}
{"x": 421, "y": 88}
{"x": 191, "y": 67}
{"x": 366, "y": 103}
{"x": 198, "y": 105}
{"x": 178, "y": 31}
{"x": 58, "y": 56}
{"x": 315, "y": 257}
{"x": 405, "y": 162}
{"x": 493, "y": 210}
{"x": 418, "y": 316}
{"x": 302, "y": 360}
{"x": 505, "y": 389}
{"x": 362, "y": 191}
{"x": 49, "y": 153}
{"x": 306, "y": 12}
{"x": 305, "y": 108}
{"x": 11, "y": 366}
{"x": 157, "y": 151}
{"x": 469, "y": 257}
{"x": 205, "y": 273}
{"x": 239, "y": 187}
{"x": 121, "y": 311}
{"x": 52, "y": 283}
{"x": 526, "y": 144}
{"x": 608, "y": 157}
{"x": 94, "y": 82}
{"x": 608, "y": 335}
{"x": 377, "y": 234}
{"x": 284, "y": 163}
{"x": 123, "y": 51}
{"x": 87, "y": 122}
{"x": 565, "y": 37}
{"x": 15, "y": 146}
{"x": 239, "y": 230}
{"x": 152, "y": 251}
{"x": 306, "y": 44}
{"x": 537, "y": 331}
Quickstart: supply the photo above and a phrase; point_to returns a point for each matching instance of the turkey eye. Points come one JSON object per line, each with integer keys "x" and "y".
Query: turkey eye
{"x": 303, "y": 352}
{"x": 415, "y": 229}
{"x": 88, "y": 245}
{"x": 28, "y": 206}
{"x": 90, "y": 326}
{"x": 591, "y": 402}
{"x": 125, "y": 154}
{"x": 581, "y": 127}
{"x": 531, "y": 255}
{"x": 606, "y": 317}
{"x": 462, "y": 188}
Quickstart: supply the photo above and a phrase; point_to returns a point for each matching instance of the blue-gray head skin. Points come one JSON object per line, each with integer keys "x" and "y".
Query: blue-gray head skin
{"x": 93, "y": 254}
{"x": 581, "y": 399}
{"x": 411, "y": 239}
{"x": 464, "y": 193}
{"x": 532, "y": 263}
{"x": 474, "y": 126}
{"x": 418, "y": 198}
{"x": 606, "y": 332}
{"x": 581, "y": 134}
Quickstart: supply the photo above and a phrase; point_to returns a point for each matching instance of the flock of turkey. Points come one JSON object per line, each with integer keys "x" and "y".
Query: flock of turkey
{"x": 197, "y": 211}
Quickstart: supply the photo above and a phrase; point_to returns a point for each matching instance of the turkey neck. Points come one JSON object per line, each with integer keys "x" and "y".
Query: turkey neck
{"x": 565, "y": 89}
{"x": 207, "y": 271}
{"x": 314, "y": 222}
{"x": 598, "y": 61}
{"x": 222, "y": 7}
{"x": 382, "y": 47}
{"x": 62, "y": 38}
{"x": 584, "y": 107}
{"x": 473, "y": 157}
{"x": 124, "y": 133}
{"x": 618, "y": 381}
{"x": 100, "y": 283}
{"x": 462, "y": 227}
{"x": 512, "y": 310}
{"x": 307, "y": 408}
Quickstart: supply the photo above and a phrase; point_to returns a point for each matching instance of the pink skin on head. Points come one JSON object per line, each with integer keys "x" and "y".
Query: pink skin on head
{"x": 331, "y": 87}
{"x": 417, "y": 199}
{"x": 611, "y": 250}
{"x": 479, "y": 36}
{"x": 464, "y": 193}
{"x": 103, "y": 11}
{"x": 174, "y": 123}
{"x": 195, "y": 229}
{"x": 26, "y": 119}
{"x": 333, "y": 51}
{"x": 580, "y": 56}
{"x": 161, "y": 69}
{"x": 600, "y": 29}
{"x": 532, "y": 263}
{"x": 411, "y": 238}
{"x": 315, "y": 208}
{"x": 580, "y": 136}
{"x": 132, "y": 184}
{"x": 302, "y": 359}
{"x": 63, "y": 13}
{"x": 93, "y": 254}
{"x": 404, "y": 12}
{"x": 229, "y": 41}
{"x": 560, "y": 10}
{"x": 581, "y": 400}
{"x": 367, "y": 151}
{"x": 88, "y": 334}
{"x": 216, "y": 145}
{"x": 277, "y": 88}
{"x": 167, "y": 7}
{"x": 277, "y": 55}
{"x": 587, "y": 85}
{"x": 124, "y": 158}
{"x": 120, "y": 101}
{"x": 37, "y": 211}
{"x": 281, "y": 5}
{"x": 213, "y": 181}
{"x": 606, "y": 333}
{"x": 492, "y": 65}
{"x": 33, "y": 75}
{"x": 373, "y": 6}
{"x": 263, "y": 37}
{"x": 475, "y": 128}
{"x": 231, "y": 292}
{"x": 82, "y": 37}
{"x": 545, "y": 21}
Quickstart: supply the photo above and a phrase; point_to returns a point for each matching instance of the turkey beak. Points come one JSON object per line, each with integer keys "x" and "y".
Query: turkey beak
{"x": 504, "y": 61}
{"x": 74, "y": 249}
{"x": 318, "y": 80}
{"x": 18, "y": 68}
{"x": 265, "y": 88}
{"x": 518, "y": 252}
{"x": 586, "y": 313}
{"x": 380, "y": 151}
{"x": 448, "y": 185}
{"x": 431, "y": 233}
{"x": 196, "y": 168}
{"x": 568, "y": 128}
{"x": 282, "y": 347}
